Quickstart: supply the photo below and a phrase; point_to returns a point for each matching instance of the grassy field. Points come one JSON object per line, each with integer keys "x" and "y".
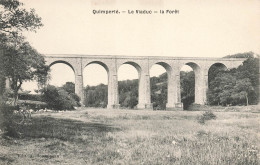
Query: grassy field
{"x": 101, "y": 136}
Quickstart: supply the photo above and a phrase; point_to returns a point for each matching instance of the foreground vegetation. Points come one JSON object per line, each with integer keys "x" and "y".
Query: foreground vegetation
{"x": 99, "y": 136}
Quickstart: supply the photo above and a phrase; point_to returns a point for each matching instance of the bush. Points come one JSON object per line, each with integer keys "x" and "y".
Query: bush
{"x": 6, "y": 124}
{"x": 208, "y": 115}
{"x": 59, "y": 99}
{"x": 65, "y": 101}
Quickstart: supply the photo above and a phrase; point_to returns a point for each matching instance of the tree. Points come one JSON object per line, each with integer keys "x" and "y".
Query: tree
{"x": 242, "y": 89}
{"x": 128, "y": 93}
{"x": 130, "y": 101}
{"x": 221, "y": 89}
{"x": 214, "y": 70}
{"x": 187, "y": 88}
{"x": 23, "y": 63}
{"x": 19, "y": 61}
{"x": 14, "y": 18}
{"x": 69, "y": 87}
{"x": 159, "y": 91}
{"x": 236, "y": 86}
{"x": 96, "y": 96}
{"x": 250, "y": 70}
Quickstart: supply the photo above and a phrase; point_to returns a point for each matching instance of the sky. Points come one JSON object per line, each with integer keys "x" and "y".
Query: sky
{"x": 200, "y": 29}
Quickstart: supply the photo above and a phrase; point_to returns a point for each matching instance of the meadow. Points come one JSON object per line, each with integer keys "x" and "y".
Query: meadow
{"x": 101, "y": 136}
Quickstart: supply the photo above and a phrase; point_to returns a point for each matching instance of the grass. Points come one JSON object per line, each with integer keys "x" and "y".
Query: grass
{"x": 100, "y": 136}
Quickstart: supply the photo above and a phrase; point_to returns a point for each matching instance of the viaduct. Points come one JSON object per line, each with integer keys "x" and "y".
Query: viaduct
{"x": 143, "y": 64}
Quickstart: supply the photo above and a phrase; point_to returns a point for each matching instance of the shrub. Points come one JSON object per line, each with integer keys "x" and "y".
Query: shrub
{"x": 6, "y": 124}
{"x": 59, "y": 99}
{"x": 65, "y": 101}
{"x": 208, "y": 115}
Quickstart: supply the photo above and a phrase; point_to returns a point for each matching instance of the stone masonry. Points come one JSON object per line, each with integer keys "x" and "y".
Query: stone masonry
{"x": 143, "y": 65}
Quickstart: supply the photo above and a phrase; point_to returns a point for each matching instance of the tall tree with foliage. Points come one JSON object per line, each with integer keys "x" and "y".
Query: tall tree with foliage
{"x": 249, "y": 72}
{"x": 14, "y": 18}
{"x": 242, "y": 90}
{"x": 21, "y": 64}
{"x": 19, "y": 61}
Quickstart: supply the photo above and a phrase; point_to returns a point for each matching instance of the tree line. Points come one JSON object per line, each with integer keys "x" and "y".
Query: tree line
{"x": 238, "y": 86}
{"x": 96, "y": 96}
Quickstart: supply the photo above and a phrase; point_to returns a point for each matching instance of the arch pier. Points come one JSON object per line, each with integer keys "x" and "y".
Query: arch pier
{"x": 143, "y": 65}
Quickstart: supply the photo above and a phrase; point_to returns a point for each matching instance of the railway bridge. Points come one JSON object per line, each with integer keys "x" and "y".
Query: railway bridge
{"x": 172, "y": 65}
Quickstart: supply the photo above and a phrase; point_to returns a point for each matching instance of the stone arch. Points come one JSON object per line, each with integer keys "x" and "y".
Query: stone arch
{"x": 75, "y": 65}
{"x": 168, "y": 70}
{"x": 134, "y": 64}
{"x": 68, "y": 64}
{"x": 104, "y": 66}
{"x": 100, "y": 63}
{"x": 62, "y": 62}
{"x": 214, "y": 69}
{"x": 165, "y": 65}
{"x": 139, "y": 71}
{"x": 194, "y": 66}
{"x": 220, "y": 65}
{"x": 197, "y": 87}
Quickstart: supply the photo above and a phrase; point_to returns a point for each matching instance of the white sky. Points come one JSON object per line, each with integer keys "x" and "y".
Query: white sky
{"x": 201, "y": 29}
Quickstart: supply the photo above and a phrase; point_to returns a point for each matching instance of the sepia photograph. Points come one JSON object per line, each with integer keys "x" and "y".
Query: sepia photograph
{"x": 129, "y": 82}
